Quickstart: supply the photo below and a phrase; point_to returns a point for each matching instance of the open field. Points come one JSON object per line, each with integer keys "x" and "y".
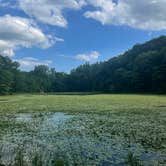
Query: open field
{"x": 83, "y": 130}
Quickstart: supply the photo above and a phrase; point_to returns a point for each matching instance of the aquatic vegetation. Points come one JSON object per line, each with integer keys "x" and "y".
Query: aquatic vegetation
{"x": 132, "y": 160}
{"x": 110, "y": 136}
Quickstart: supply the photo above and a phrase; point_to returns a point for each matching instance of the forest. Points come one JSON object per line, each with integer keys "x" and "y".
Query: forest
{"x": 141, "y": 69}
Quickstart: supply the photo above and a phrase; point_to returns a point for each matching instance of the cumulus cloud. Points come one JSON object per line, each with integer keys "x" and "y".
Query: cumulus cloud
{"x": 94, "y": 55}
{"x": 28, "y": 63}
{"x": 50, "y": 11}
{"x": 141, "y": 14}
{"x": 16, "y": 32}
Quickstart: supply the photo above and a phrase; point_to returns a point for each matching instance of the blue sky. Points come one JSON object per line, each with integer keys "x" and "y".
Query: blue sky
{"x": 64, "y": 34}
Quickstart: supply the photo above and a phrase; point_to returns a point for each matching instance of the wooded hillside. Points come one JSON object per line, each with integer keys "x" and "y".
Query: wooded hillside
{"x": 141, "y": 69}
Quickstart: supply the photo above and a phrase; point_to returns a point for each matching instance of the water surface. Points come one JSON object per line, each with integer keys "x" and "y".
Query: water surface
{"x": 74, "y": 139}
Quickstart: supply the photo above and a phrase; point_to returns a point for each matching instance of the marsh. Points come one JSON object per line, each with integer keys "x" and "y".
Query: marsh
{"x": 78, "y": 130}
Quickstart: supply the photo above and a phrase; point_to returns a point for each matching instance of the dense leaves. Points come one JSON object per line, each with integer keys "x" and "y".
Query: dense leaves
{"x": 8, "y": 71}
{"x": 139, "y": 70}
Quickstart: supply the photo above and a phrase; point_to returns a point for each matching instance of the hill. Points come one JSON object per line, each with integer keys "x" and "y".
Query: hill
{"x": 141, "y": 69}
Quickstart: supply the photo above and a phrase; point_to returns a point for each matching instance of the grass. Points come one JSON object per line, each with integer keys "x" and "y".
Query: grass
{"x": 134, "y": 126}
{"x": 83, "y": 103}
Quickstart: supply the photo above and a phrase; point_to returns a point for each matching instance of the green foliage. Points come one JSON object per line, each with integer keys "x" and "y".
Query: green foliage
{"x": 37, "y": 160}
{"x": 19, "y": 160}
{"x": 59, "y": 163}
{"x": 132, "y": 160}
{"x": 141, "y": 69}
{"x": 7, "y": 72}
{"x": 104, "y": 125}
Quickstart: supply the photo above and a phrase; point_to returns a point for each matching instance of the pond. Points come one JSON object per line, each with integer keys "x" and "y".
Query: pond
{"x": 79, "y": 139}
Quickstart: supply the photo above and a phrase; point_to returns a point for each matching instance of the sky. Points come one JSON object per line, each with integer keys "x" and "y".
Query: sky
{"x": 64, "y": 34}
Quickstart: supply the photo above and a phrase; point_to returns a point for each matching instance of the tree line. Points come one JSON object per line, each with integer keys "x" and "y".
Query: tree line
{"x": 141, "y": 69}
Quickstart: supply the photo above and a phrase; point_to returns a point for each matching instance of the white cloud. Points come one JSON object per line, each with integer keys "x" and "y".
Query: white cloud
{"x": 16, "y": 32}
{"x": 141, "y": 14}
{"x": 94, "y": 55}
{"x": 50, "y": 11}
{"x": 28, "y": 63}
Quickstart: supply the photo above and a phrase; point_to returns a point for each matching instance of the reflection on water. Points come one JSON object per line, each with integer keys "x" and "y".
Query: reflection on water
{"x": 56, "y": 119}
{"x": 70, "y": 139}
{"x": 22, "y": 117}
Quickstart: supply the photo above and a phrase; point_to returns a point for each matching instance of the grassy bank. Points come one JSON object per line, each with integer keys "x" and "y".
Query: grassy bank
{"x": 82, "y": 103}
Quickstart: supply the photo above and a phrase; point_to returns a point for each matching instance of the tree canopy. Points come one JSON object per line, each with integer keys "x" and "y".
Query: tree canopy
{"x": 141, "y": 69}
